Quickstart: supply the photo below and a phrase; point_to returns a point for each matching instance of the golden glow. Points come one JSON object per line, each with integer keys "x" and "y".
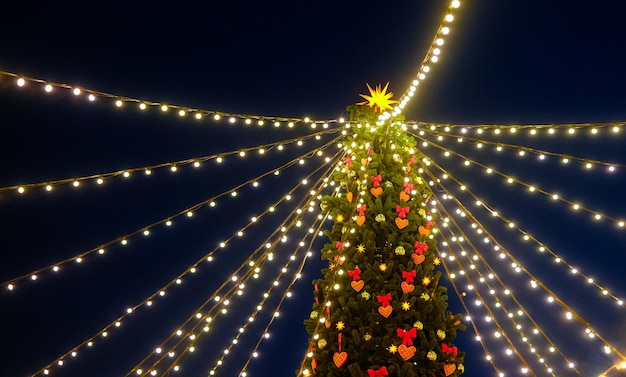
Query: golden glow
{"x": 379, "y": 99}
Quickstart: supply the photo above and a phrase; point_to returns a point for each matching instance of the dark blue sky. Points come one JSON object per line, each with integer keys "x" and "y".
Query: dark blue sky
{"x": 505, "y": 63}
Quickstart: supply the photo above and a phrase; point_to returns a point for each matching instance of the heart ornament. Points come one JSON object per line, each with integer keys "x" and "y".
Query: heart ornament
{"x": 406, "y": 352}
{"x": 448, "y": 369}
{"x": 401, "y": 223}
{"x": 406, "y": 287}
{"x": 360, "y": 220}
{"x": 423, "y": 231}
{"x": 340, "y": 358}
{"x": 418, "y": 258}
{"x": 357, "y": 285}
{"x": 376, "y": 191}
{"x": 350, "y": 196}
{"x": 404, "y": 196}
{"x": 385, "y": 311}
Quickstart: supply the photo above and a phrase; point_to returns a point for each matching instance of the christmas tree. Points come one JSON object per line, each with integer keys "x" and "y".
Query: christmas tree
{"x": 379, "y": 309}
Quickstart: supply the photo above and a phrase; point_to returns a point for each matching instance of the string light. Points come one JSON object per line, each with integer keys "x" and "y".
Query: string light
{"x": 182, "y": 111}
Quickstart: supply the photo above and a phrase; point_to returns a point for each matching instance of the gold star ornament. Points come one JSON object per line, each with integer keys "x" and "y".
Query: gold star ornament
{"x": 360, "y": 248}
{"x": 341, "y": 325}
{"x": 406, "y": 306}
{"x": 379, "y": 99}
{"x": 393, "y": 349}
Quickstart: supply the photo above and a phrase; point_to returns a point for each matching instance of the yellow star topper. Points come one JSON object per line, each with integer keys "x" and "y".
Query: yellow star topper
{"x": 379, "y": 99}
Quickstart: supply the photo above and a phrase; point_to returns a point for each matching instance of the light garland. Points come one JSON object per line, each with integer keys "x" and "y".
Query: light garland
{"x": 520, "y": 268}
{"x": 172, "y": 166}
{"x": 120, "y": 101}
{"x": 467, "y": 162}
{"x": 542, "y": 248}
{"x": 586, "y": 163}
{"x": 498, "y": 304}
{"x": 11, "y": 284}
{"x": 613, "y": 128}
{"x": 211, "y": 314}
{"x": 431, "y": 57}
{"x": 161, "y": 292}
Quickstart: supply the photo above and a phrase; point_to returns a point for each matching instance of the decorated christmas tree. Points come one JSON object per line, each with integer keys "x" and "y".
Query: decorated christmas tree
{"x": 379, "y": 309}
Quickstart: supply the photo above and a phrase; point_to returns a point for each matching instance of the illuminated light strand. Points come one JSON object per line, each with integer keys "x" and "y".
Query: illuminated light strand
{"x": 183, "y": 111}
{"x": 296, "y": 275}
{"x": 532, "y": 188}
{"x": 173, "y": 165}
{"x": 499, "y": 304}
{"x": 160, "y": 292}
{"x": 280, "y": 302}
{"x": 491, "y": 313}
{"x": 469, "y": 317}
{"x": 431, "y": 57}
{"x": 529, "y": 237}
{"x": 501, "y": 129}
{"x": 521, "y": 151}
{"x": 214, "y": 311}
{"x": 520, "y": 268}
{"x": 34, "y": 275}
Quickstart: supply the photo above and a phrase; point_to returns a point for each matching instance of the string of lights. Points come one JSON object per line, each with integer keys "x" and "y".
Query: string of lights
{"x": 161, "y": 292}
{"x": 431, "y": 57}
{"x": 467, "y": 162}
{"x": 512, "y": 129}
{"x": 120, "y": 101}
{"x": 11, "y": 284}
{"x": 571, "y": 314}
{"x": 254, "y": 269}
{"x": 522, "y": 150}
{"x": 526, "y": 236}
{"x": 497, "y": 302}
{"x": 172, "y": 166}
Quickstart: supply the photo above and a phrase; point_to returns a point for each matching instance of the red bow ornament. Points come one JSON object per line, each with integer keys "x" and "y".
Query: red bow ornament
{"x": 412, "y": 160}
{"x": 376, "y": 180}
{"x": 408, "y": 276}
{"x": 408, "y": 187}
{"x": 339, "y": 245}
{"x": 382, "y": 372}
{"x": 384, "y": 300}
{"x": 447, "y": 349}
{"x": 406, "y": 335}
{"x": 402, "y": 211}
{"x": 361, "y": 209}
{"x": 347, "y": 161}
{"x": 355, "y": 274}
{"x": 420, "y": 248}
{"x": 429, "y": 224}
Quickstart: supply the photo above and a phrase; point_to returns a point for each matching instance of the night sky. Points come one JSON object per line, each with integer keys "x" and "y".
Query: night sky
{"x": 505, "y": 63}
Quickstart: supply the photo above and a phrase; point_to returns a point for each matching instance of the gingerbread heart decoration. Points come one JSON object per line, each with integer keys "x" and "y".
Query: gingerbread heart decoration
{"x": 376, "y": 191}
{"x": 407, "y": 352}
{"x": 357, "y": 285}
{"x": 423, "y": 231}
{"x": 401, "y": 223}
{"x": 385, "y": 311}
{"x": 365, "y": 162}
{"x": 418, "y": 258}
{"x": 350, "y": 196}
{"x": 406, "y": 287}
{"x": 448, "y": 369}
{"x": 340, "y": 358}
{"x": 404, "y": 196}
{"x": 360, "y": 220}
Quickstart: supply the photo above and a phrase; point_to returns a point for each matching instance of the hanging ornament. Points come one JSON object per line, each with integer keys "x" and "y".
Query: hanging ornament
{"x": 393, "y": 349}
{"x": 388, "y": 184}
{"x": 417, "y": 258}
{"x": 355, "y": 274}
{"x": 340, "y": 325}
{"x": 367, "y": 337}
{"x": 382, "y": 267}
{"x": 418, "y": 325}
{"x": 376, "y": 191}
{"x": 449, "y": 350}
{"x": 426, "y": 280}
{"x": 423, "y": 231}
{"x": 400, "y": 250}
{"x": 431, "y": 355}
{"x": 313, "y": 364}
{"x": 402, "y": 211}
{"x": 421, "y": 212}
{"x": 321, "y": 344}
{"x": 361, "y": 208}
{"x": 360, "y": 248}
{"x": 409, "y": 276}
{"x": 360, "y": 220}
{"x": 448, "y": 369}
{"x": 420, "y": 248}
{"x": 401, "y": 223}
{"x": 408, "y": 187}
{"x": 357, "y": 285}
{"x": 376, "y": 180}
{"x": 340, "y": 357}
{"x": 380, "y": 218}
{"x": 424, "y": 296}
{"x": 404, "y": 196}
{"x": 407, "y": 336}
{"x": 406, "y": 352}
{"x": 441, "y": 335}
{"x": 366, "y": 295}
{"x": 385, "y": 311}
{"x": 382, "y": 372}
{"x": 365, "y": 161}
{"x": 350, "y": 196}
{"x": 347, "y": 161}
{"x": 406, "y": 287}
{"x": 406, "y": 306}
{"x": 313, "y": 314}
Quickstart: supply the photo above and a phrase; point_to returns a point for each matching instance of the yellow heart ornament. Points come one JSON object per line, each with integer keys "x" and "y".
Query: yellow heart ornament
{"x": 401, "y": 223}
